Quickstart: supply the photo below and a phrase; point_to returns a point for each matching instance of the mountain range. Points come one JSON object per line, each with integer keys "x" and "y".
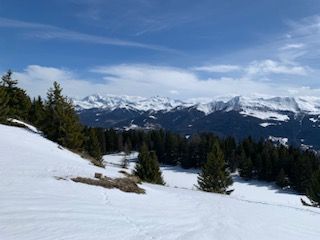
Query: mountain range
{"x": 288, "y": 120}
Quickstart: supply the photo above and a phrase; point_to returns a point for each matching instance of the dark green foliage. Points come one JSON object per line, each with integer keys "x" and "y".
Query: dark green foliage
{"x": 282, "y": 179}
{"x": 61, "y": 122}
{"x": 19, "y": 102}
{"x": 171, "y": 146}
{"x": 246, "y": 166}
{"x": 3, "y": 105}
{"x": 147, "y": 167}
{"x": 229, "y": 148}
{"x": 263, "y": 160}
{"x": 214, "y": 176}
{"x": 7, "y": 80}
{"x": 37, "y": 112}
{"x": 301, "y": 172}
{"x": 92, "y": 145}
{"x": 313, "y": 190}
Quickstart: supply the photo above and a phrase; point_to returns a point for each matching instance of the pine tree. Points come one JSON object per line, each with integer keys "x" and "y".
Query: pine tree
{"x": 62, "y": 125}
{"x": 313, "y": 190}
{"x": 246, "y": 167}
{"x": 214, "y": 176}
{"x": 37, "y": 112}
{"x": 19, "y": 102}
{"x": 3, "y": 105}
{"x": 147, "y": 167}
{"x": 7, "y": 80}
{"x": 282, "y": 179}
{"x": 127, "y": 148}
{"x": 92, "y": 144}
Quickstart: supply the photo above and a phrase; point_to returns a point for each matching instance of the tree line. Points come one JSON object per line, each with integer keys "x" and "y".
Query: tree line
{"x": 287, "y": 166}
{"x": 56, "y": 117}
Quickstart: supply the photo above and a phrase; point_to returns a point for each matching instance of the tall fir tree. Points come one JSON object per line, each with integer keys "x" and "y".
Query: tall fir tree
{"x": 8, "y": 81}
{"x": 3, "y": 105}
{"x": 147, "y": 167}
{"x": 282, "y": 179}
{"x": 37, "y": 112}
{"x": 246, "y": 166}
{"x": 214, "y": 176}
{"x": 61, "y": 122}
{"x": 313, "y": 190}
{"x": 92, "y": 144}
{"x": 19, "y": 102}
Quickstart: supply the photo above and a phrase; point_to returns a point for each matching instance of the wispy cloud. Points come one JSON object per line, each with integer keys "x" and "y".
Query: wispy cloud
{"x": 256, "y": 69}
{"x": 139, "y": 17}
{"x": 268, "y": 66}
{"x": 44, "y": 31}
{"x": 292, "y": 46}
{"x": 301, "y": 42}
{"x": 217, "y": 68}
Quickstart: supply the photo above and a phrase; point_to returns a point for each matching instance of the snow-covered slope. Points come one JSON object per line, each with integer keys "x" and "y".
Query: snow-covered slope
{"x": 255, "y": 191}
{"x": 35, "y": 203}
{"x": 275, "y": 108}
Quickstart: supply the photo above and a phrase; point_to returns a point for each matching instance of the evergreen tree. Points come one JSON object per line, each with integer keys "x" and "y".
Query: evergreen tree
{"x": 126, "y": 149}
{"x": 61, "y": 122}
{"x": 147, "y": 167}
{"x": 7, "y": 80}
{"x": 246, "y": 167}
{"x": 214, "y": 176}
{"x": 3, "y": 105}
{"x": 313, "y": 191}
{"x": 37, "y": 112}
{"x": 282, "y": 179}
{"x": 92, "y": 144}
{"x": 19, "y": 102}
{"x": 230, "y": 153}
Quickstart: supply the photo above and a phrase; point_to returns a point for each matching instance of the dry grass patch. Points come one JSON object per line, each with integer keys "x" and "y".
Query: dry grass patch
{"x": 125, "y": 184}
{"x": 134, "y": 178}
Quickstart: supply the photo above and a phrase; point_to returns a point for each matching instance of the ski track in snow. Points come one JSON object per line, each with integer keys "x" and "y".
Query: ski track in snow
{"x": 35, "y": 205}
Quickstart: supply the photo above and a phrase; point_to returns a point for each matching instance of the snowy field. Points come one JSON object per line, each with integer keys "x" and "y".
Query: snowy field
{"x": 255, "y": 191}
{"x": 39, "y": 201}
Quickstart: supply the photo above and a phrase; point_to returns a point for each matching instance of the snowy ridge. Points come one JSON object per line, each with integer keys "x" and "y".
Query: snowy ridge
{"x": 273, "y": 108}
{"x": 112, "y": 102}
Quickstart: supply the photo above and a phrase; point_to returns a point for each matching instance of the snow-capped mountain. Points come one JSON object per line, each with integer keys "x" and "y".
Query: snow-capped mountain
{"x": 264, "y": 108}
{"x": 112, "y": 102}
{"x": 297, "y": 119}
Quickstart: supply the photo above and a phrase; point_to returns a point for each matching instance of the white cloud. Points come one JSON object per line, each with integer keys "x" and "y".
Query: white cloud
{"x": 268, "y": 66}
{"x": 292, "y": 46}
{"x": 149, "y": 80}
{"x": 38, "y": 79}
{"x": 217, "y": 68}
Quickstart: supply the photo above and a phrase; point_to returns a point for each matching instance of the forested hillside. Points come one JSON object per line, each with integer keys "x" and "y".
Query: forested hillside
{"x": 56, "y": 118}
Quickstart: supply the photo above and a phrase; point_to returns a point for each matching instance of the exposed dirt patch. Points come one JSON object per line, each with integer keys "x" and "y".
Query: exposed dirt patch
{"x": 124, "y": 184}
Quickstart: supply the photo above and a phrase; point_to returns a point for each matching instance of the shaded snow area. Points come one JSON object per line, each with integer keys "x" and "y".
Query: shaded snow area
{"x": 35, "y": 204}
{"x": 27, "y": 126}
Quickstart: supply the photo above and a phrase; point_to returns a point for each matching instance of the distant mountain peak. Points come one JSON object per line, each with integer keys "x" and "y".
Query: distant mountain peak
{"x": 274, "y": 108}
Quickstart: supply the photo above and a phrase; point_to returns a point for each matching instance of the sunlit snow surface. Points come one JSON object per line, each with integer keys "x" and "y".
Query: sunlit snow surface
{"x": 34, "y": 204}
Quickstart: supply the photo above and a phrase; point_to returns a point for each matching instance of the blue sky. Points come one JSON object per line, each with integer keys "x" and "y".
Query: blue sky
{"x": 180, "y": 49}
